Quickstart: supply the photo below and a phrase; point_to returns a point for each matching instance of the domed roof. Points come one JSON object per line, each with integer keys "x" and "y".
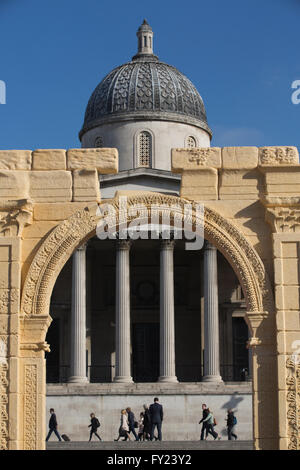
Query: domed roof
{"x": 145, "y": 89}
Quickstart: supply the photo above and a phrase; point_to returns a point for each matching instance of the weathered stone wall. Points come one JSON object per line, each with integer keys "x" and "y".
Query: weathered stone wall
{"x": 48, "y": 203}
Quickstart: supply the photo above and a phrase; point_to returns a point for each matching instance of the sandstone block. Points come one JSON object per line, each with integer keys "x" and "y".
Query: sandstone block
{"x": 240, "y": 184}
{"x": 288, "y": 320}
{"x": 14, "y": 184}
{"x": 239, "y": 158}
{"x": 197, "y": 158}
{"x": 15, "y": 159}
{"x": 39, "y": 229}
{"x": 200, "y": 184}
{"x": 50, "y": 186}
{"x": 105, "y": 160}
{"x": 276, "y": 156}
{"x": 287, "y": 297}
{"x": 11, "y": 249}
{"x": 86, "y": 185}
{"x": 60, "y": 211}
{"x": 53, "y": 159}
{"x": 286, "y": 271}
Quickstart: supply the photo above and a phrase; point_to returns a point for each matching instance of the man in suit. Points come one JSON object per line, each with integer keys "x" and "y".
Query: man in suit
{"x": 131, "y": 420}
{"x": 53, "y": 425}
{"x": 204, "y": 424}
{"x": 156, "y": 415}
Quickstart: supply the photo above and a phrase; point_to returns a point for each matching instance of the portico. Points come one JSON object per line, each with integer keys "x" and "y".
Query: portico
{"x": 139, "y": 328}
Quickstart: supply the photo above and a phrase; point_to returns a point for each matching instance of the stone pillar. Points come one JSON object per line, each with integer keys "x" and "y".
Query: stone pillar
{"x": 123, "y": 373}
{"x": 167, "y": 323}
{"x": 211, "y": 316}
{"x": 78, "y": 321}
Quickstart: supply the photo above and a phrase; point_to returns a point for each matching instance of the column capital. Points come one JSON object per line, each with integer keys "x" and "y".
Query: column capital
{"x": 82, "y": 247}
{"x": 167, "y": 244}
{"x": 209, "y": 246}
{"x": 123, "y": 244}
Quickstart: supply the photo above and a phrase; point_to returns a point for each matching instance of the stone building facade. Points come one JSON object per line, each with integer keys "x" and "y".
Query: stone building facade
{"x": 88, "y": 321}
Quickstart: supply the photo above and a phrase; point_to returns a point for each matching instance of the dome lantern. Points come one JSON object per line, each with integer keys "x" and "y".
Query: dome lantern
{"x": 145, "y": 42}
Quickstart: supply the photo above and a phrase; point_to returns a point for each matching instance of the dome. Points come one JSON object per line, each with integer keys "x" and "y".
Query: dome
{"x": 145, "y": 89}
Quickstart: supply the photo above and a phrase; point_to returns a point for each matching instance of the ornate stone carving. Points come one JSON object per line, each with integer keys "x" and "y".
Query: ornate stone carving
{"x": 30, "y": 407}
{"x": 43, "y": 346}
{"x": 3, "y": 394}
{"x": 278, "y": 155}
{"x": 228, "y": 239}
{"x": 284, "y": 219}
{"x": 8, "y": 299}
{"x": 200, "y": 156}
{"x": 293, "y": 400}
{"x": 14, "y": 216}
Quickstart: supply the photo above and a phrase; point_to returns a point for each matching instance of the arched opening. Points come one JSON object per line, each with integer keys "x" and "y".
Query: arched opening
{"x": 145, "y": 316}
{"x": 249, "y": 269}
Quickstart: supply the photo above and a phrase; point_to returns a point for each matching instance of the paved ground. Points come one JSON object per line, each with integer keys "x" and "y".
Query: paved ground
{"x": 155, "y": 446}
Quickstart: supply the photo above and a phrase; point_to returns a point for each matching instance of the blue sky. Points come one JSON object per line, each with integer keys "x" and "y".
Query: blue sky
{"x": 241, "y": 55}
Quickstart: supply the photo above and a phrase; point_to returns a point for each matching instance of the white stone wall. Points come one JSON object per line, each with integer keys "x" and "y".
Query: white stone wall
{"x": 182, "y": 414}
{"x": 123, "y": 136}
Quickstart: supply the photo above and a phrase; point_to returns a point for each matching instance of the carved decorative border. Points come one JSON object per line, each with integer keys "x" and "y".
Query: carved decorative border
{"x": 3, "y": 405}
{"x": 60, "y": 244}
{"x": 30, "y": 407}
{"x": 293, "y": 400}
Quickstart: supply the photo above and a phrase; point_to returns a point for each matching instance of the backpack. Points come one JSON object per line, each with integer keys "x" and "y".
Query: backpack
{"x": 97, "y": 423}
{"x": 234, "y": 421}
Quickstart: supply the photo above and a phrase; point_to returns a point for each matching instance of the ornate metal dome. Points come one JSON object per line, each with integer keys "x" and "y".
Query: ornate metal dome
{"x": 145, "y": 89}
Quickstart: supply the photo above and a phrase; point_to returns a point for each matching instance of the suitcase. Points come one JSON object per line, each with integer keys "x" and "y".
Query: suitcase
{"x": 65, "y": 437}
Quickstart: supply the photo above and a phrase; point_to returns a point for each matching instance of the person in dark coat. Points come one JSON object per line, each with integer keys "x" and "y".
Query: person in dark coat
{"x": 204, "y": 416}
{"x": 231, "y": 422}
{"x": 131, "y": 421}
{"x": 94, "y": 427}
{"x": 147, "y": 423}
{"x": 156, "y": 415}
{"x": 53, "y": 425}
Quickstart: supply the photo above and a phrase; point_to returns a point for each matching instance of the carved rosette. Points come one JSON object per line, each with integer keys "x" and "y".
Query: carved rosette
{"x": 293, "y": 400}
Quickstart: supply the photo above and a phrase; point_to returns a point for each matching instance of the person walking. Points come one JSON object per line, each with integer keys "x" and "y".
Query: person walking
{"x": 231, "y": 423}
{"x": 156, "y": 415}
{"x": 131, "y": 423}
{"x": 141, "y": 427}
{"x": 204, "y": 415}
{"x": 124, "y": 428}
{"x": 210, "y": 423}
{"x": 147, "y": 423}
{"x": 53, "y": 425}
{"x": 95, "y": 424}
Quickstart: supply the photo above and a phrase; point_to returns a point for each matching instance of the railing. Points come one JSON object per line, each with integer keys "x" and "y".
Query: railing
{"x": 185, "y": 373}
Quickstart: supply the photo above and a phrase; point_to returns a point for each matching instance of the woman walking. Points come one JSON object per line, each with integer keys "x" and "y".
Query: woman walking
{"x": 94, "y": 426}
{"x": 124, "y": 428}
{"x": 210, "y": 423}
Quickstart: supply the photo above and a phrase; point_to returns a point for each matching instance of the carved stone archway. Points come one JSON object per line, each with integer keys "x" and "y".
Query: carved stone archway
{"x": 229, "y": 240}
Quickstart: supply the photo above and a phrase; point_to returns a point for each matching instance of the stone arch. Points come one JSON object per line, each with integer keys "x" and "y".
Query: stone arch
{"x": 229, "y": 240}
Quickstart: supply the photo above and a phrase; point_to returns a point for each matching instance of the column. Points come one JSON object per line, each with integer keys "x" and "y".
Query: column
{"x": 123, "y": 373}
{"x": 211, "y": 316}
{"x": 167, "y": 322}
{"x": 78, "y": 320}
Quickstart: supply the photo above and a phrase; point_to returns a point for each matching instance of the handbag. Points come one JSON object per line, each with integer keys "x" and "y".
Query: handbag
{"x": 136, "y": 424}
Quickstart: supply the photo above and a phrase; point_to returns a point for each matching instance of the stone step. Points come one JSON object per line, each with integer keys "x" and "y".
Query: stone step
{"x": 152, "y": 446}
